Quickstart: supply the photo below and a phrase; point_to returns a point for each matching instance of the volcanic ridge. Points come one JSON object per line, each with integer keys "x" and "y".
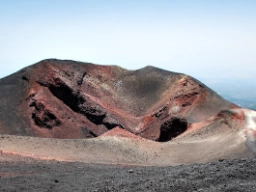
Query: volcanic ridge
{"x": 74, "y": 111}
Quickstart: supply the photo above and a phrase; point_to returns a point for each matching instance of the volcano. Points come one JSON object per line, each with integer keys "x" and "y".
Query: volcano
{"x": 78, "y": 111}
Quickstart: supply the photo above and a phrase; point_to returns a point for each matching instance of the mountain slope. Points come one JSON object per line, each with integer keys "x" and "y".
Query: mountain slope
{"x": 67, "y": 99}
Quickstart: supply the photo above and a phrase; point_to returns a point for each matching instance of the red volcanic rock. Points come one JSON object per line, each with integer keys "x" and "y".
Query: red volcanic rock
{"x": 117, "y": 131}
{"x": 67, "y": 99}
{"x": 221, "y": 124}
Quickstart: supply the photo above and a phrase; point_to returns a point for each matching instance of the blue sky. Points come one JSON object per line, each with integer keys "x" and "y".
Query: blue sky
{"x": 205, "y": 39}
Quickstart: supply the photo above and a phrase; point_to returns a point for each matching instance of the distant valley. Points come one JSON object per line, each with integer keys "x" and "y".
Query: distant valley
{"x": 240, "y": 91}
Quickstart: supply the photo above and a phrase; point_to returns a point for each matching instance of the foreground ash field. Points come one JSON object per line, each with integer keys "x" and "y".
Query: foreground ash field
{"x": 23, "y": 174}
{"x": 80, "y": 113}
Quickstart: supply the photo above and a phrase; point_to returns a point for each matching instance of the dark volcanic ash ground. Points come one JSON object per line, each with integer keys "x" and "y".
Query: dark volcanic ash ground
{"x": 22, "y": 174}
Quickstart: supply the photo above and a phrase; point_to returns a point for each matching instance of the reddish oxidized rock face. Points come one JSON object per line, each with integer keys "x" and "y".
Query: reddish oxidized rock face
{"x": 67, "y": 99}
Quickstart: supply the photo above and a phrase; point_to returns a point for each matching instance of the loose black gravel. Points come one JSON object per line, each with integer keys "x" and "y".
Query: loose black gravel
{"x": 33, "y": 175}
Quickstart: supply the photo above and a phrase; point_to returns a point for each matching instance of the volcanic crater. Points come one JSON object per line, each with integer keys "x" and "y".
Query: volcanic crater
{"x": 68, "y": 101}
